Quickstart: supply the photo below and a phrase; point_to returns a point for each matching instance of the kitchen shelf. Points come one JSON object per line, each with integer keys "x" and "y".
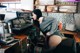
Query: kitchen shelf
{"x": 56, "y": 6}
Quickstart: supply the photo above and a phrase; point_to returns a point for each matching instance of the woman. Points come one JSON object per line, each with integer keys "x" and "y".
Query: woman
{"x": 49, "y": 26}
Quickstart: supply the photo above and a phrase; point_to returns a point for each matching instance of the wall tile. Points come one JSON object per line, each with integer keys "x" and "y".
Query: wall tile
{"x": 64, "y": 17}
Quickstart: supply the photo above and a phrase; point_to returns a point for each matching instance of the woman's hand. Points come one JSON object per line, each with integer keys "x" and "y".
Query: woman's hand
{"x": 40, "y": 20}
{"x": 48, "y": 33}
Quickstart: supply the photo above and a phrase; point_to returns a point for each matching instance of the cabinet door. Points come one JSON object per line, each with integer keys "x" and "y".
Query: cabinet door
{"x": 23, "y": 45}
{"x": 14, "y": 49}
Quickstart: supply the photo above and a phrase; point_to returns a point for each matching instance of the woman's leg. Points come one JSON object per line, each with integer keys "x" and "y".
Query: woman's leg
{"x": 54, "y": 41}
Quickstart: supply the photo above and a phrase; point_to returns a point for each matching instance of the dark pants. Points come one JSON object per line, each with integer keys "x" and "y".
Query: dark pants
{"x": 66, "y": 46}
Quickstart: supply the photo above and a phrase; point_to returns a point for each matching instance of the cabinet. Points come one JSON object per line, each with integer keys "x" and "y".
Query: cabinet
{"x": 22, "y": 43}
{"x": 55, "y": 6}
{"x": 74, "y": 34}
{"x": 16, "y": 47}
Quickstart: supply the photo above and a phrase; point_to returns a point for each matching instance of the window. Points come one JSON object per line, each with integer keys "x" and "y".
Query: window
{"x": 18, "y": 6}
{"x": 12, "y": 5}
{"x": 6, "y": 5}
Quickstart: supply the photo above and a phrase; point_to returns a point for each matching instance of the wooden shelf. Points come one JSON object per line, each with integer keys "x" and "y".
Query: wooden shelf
{"x": 66, "y": 12}
{"x": 65, "y": 5}
{"x": 58, "y": 12}
{"x": 45, "y": 5}
{"x": 49, "y": 12}
{"x": 20, "y": 37}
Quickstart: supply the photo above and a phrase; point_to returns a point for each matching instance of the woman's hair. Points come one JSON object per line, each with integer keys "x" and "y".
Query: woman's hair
{"x": 38, "y": 13}
{"x": 36, "y": 22}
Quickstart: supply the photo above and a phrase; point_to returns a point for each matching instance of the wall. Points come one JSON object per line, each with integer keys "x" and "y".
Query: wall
{"x": 63, "y": 17}
{"x": 78, "y": 7}
{"x": 27, "y": 4}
